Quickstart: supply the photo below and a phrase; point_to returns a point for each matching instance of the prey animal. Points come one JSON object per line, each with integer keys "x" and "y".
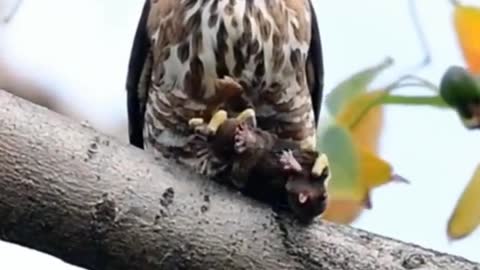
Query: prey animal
{"x": 264, "y": 165}
{"x": 180, "y": 49}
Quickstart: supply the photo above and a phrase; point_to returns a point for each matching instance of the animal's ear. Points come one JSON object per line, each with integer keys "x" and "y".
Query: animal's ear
{"x": 248, "y": 117}
{"x": 321, "y": 168}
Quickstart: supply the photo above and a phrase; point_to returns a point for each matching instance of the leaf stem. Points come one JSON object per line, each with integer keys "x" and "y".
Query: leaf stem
{"x": 387, "y": 99}
{"x": 418, "y": 81}
{"x": 414, "y": 100}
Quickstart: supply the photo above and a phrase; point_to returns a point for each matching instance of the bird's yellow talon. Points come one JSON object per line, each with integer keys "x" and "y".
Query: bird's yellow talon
{"x": 247, "y": 115}
{"x": 195, "y": 122}
{"x": 321, "y": 166}
{"x": 217, "y": 119}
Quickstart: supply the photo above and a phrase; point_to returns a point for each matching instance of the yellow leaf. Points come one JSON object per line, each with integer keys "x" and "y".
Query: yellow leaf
{"x": 467, "y": 24}
{"x": 364, "y": 121}
{"x": 354, "y": 193}
{"x": 374, "y": 171}
{"x": 346, "y": 198}
{"x": 362, "y": 118}
{"x": 336, "y": 142}
{"x": 346, "y": 205}
{"x": 367, "y": 132}
{"x": 343, "y": 211}
{"x": 358, "y": 106}
{"x": 466, "y": 216}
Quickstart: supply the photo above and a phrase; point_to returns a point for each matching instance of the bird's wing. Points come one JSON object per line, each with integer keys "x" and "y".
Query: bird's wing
{"x": 314, "y": 67}
{"x": 137, "y": 64}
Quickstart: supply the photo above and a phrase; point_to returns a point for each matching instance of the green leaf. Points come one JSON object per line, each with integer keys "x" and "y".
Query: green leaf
{"x": 354, "y": 85}
{"x": 354, "y": 111}
{"x": 337, "y": 143}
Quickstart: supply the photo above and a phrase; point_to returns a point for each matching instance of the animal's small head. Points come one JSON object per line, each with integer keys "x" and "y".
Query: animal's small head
{"x": 307, "y": 182}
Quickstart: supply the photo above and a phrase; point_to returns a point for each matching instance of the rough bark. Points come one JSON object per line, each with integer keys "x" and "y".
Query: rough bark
{"x": 72, "y": 192}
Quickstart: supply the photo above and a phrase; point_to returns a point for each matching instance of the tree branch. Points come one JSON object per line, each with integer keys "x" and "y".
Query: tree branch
{"x": 81, "y": 196}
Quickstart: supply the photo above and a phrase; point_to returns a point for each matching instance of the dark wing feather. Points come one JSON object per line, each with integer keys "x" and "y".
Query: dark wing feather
{"x": 138, "y": 56}
{"x": 314, "y": 67}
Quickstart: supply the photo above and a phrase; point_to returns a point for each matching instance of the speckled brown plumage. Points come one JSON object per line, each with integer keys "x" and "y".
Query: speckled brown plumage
{"x": 182, "y": 46}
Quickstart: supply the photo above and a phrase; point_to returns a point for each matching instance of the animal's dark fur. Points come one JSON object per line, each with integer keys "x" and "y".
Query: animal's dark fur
{"x": 259, "y": 172}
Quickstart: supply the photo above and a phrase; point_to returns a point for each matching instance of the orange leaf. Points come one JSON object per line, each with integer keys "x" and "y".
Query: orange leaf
{"x": 374, "y": 171}
{"x": 343, "y": 211}
{"x": 467, "y": 24}
{"x": 366, "y": 131}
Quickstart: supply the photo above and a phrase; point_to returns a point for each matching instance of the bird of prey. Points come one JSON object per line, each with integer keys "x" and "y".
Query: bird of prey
{"x": 272, "y": 47}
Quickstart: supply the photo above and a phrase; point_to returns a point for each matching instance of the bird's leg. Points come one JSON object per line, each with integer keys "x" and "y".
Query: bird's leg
{"x": 226, "y": 88}
{"x": 289, "y": 162}
{"x": 199, "y": 125}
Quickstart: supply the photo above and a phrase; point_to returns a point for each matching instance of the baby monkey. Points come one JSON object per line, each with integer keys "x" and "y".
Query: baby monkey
{"x": 268, "y": 167}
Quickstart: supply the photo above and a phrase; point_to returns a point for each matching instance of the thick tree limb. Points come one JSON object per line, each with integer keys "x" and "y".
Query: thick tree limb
{"x": 69, "y": 191}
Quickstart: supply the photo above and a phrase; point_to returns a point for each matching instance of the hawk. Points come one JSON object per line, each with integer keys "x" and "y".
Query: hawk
{"x": 181, "y": 47}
